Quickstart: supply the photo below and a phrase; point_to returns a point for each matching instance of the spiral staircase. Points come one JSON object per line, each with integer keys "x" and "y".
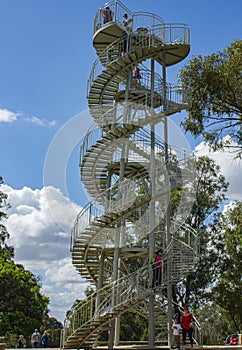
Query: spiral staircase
{"x": 130, "y": 173}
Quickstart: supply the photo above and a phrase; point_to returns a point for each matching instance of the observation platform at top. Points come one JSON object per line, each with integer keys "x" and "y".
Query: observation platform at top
{"x": 174, "y": 37}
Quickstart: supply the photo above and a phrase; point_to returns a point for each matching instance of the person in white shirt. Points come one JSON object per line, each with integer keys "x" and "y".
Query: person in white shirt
{"x": 176, "y": 327}
{"x": 35, "y": 339}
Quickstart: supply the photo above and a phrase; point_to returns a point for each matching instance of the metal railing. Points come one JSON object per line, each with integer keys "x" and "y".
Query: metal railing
{"x": 140, "y": 139}
{"x": 169, "y": 34}
{"x": 129, "y": 290}
{"x": 139, "y": 19}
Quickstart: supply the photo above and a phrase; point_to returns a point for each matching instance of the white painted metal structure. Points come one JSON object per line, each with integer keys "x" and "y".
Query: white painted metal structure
{"x": 130, "y": 175}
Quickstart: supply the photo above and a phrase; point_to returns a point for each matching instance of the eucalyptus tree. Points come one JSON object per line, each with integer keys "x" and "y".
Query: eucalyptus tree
{"x": 214, "y": 92}
{"x": 22, "y": 304}
{"x": 226, "y": 242}
{"x": 210, "y": 194}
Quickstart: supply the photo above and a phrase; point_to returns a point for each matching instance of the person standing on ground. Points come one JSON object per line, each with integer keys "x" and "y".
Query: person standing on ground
{"x": 45, "y": 339}
{"x": 35, "y": 339}
{"x": 176, "y": 327}
{"x": 21, "y": 342}
{"x": 186, "y": 323}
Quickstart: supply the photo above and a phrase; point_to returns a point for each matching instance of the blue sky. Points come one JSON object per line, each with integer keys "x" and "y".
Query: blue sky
{"x": 46, "y": 57}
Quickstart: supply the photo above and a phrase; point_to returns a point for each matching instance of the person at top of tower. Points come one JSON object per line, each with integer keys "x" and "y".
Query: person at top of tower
{"x": 107, "y": 15}
{"x": 126, "y": 22}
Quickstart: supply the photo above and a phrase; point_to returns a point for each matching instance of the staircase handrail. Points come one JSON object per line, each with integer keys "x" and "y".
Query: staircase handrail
{"x": 167, "y": 34}
{"x": 118, "y": 10}
{"x": 175, "y": 93}
{"x": 137, "y": 285}
{"x": 107, "y": 203}
{"x": 87, "y": 140}
{"x": 193, "y": 241}
{"x": 129, "y": 290}
{"x": 96, "y": 133}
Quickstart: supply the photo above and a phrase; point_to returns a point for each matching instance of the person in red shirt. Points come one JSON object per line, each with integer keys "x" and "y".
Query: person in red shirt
{"x": 137, "y": 75}
{"x": 186, "y": 323}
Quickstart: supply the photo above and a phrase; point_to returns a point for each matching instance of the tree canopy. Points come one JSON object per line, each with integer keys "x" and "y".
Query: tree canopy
{"x": 214, "y": 95}
{"x": 211, "y": 188}
{"x": 226, "y": 241}
{"x": 5, "y": 249}
{"x": 22, "y": 305}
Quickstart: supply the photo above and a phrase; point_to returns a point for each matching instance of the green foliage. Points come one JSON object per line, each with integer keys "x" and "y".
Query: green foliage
{"x": 214, "y": 324}
{"x": 5, "y": 249}
{"x": 138, "y": 329}
{"x": 11, "y": 340}
{"x": 214, "y": 95}
{"x": 226, "y": 243}
{"x": 22, "y": 305}
{"x": 210, "y": 194}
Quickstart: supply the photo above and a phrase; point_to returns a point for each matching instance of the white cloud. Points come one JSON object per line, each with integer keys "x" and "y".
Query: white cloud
{"x": 40, "y": 122}
{"x": 7, "y": 116}
{"x": 42, "y": 242}
{"x": 63, "y": 286}
{"x": 231, "y": 168}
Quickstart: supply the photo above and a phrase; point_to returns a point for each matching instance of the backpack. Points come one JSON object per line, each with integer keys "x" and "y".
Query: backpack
{"x": 152, "y": 260}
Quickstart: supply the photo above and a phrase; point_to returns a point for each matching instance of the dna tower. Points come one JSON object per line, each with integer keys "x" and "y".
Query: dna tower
{"x": 141, "y": 187}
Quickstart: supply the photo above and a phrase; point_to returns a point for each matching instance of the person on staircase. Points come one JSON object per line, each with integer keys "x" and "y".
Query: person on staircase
{"x": 157, "y": 269}
{"x": 152, "y": 262}
{"x": 126, "y": 23}
{"x": 187, "y": 323}
{"x": 158, "y": 266}
{"x": 137, "y": 74}
{"x": 125, "y": 42}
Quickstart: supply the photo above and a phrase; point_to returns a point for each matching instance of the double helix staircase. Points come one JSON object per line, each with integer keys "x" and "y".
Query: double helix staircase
{"x": 125, "y": 167}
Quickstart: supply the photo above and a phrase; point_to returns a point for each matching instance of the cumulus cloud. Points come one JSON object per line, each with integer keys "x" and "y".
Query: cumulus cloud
{"x": 63, "y": 286}
{"x": 7, "y": 116}
{"x": 39, "y": 222}
{"x": 230, "y": 167}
